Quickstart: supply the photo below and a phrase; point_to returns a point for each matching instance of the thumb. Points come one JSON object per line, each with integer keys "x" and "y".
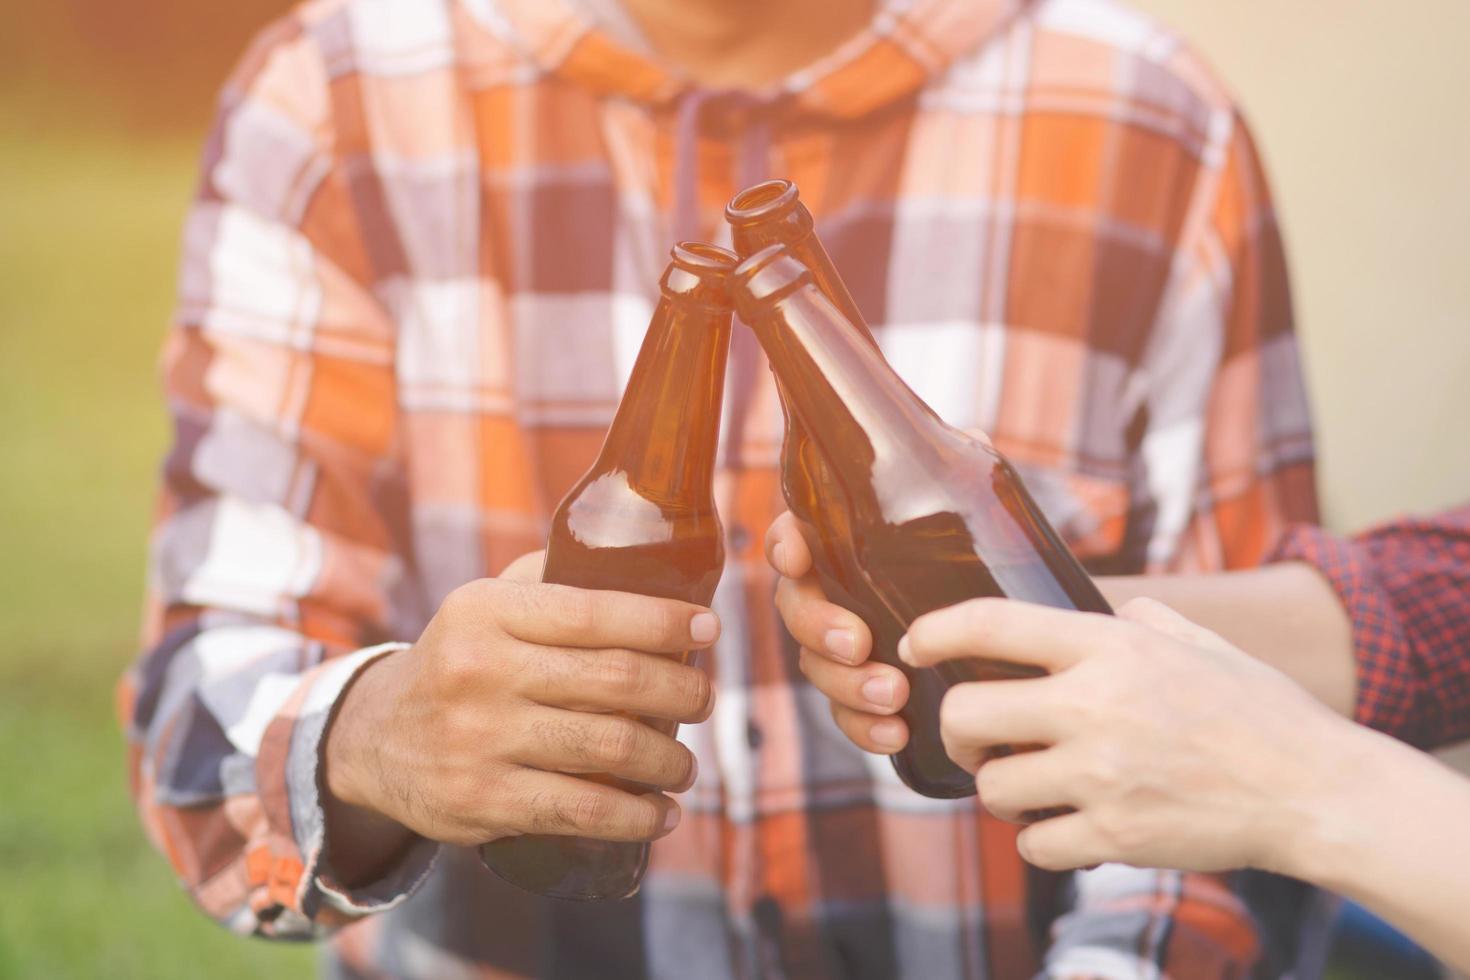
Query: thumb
{"x": 526, "y": 568}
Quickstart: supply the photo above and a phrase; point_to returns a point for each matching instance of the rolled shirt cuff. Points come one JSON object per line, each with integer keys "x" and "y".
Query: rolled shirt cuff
{"x": 321, "y": 897}
{"x": 1388, "y": 681}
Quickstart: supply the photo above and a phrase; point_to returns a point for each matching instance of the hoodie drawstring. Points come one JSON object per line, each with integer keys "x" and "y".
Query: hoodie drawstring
{"x": 752, "y": 165}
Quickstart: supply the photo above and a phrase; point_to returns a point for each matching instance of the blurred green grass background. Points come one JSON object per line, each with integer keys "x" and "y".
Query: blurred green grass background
{"x": 90, "y": 220}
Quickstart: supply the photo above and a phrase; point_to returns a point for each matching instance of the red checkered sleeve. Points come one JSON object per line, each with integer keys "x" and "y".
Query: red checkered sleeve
{"x": 1406, "y": 588}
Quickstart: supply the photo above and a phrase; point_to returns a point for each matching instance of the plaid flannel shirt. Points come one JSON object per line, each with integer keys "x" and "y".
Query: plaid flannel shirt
{"x": 423, "y": 253}
{"x": 1406, "y": 589}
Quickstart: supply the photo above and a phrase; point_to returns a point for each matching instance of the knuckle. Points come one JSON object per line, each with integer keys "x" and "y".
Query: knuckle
{"x": 564, "y": 740}
{"x": 1104, "y": 773}
{"x": 467, "y": 795}
{"x": 1115, "y": 825}
{"x": 543, "y": 678}
{"x": 457, "y": 669}
{"x": 645, "y": 818}
{"x": 670, "y": 624}
{"x": 544, "y": 812}
{"x": 670, "y": 765}
{"x": 621, "y": 672}
{"x": 696, "y": 691}
{"x": 587, "y": 809}
{"x": 618, "y": 743}
{"x": 686, "y": 768}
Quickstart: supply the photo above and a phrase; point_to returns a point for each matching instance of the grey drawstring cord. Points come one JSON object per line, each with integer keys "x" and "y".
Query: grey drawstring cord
{"x": 752, "y": 165}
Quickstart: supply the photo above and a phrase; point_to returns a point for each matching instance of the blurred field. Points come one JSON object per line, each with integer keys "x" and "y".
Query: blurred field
{"x": 89, "y": 225}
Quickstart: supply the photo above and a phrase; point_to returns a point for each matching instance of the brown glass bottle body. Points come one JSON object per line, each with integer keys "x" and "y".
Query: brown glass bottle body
{"x": 935, "y": 516}
{"x": 642, "y": 520}
{"x": 771, "y": 213}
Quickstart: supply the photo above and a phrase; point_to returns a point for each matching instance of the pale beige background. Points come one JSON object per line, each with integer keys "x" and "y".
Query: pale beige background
{"x": 1362, "y": 110}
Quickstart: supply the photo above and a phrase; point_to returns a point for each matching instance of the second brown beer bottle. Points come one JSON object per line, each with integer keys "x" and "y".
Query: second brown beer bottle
{"x": 643, "y": 520}
{"x": 936, "y": 516}
{"x": 771, "y": 213}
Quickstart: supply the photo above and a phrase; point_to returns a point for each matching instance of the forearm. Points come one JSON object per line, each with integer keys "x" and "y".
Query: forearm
{"x": 1393, "y": 838}
{"x": 1285, "y": 615}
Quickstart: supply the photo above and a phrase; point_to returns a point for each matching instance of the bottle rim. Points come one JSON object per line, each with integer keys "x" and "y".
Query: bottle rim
{"x": 765, "y": 277}
{"x": 762, "y": 202}
{"x": 702, "y": 258}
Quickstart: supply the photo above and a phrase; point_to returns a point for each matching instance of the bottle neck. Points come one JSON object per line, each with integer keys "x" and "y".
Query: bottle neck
{"x": 792, "y": 225}
{"x": 811, "y": 253}
{"x": 856, "y": 408}
{"x": 666, "y": 431}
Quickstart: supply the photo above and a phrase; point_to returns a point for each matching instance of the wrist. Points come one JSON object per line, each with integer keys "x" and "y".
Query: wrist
{"x": 1327, "y": 814}
{"x": 362, "y": 841}
{"x": 347, "y": 775}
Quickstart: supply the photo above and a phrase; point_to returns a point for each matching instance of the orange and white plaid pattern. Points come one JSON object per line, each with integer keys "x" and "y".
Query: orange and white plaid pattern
{"x": 424, "y": 250}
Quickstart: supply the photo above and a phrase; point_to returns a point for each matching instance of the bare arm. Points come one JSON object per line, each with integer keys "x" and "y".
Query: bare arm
{"x": 1168, "y": 747}
{"x": 1396, "y": 842}
{"x": 1286, "y": 615}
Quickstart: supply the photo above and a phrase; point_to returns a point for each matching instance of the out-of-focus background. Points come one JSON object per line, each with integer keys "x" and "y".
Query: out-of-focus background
{"x": 1360, "y": 109}
{"x": 1359, "y": 106}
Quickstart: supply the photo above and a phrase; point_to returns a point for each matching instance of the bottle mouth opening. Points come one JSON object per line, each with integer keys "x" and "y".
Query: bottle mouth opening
{"x": 759, "y": 202}
{"x": 765, "y": 277}
{"x": 702, "y": 258}
{"x": 751, "y": 266}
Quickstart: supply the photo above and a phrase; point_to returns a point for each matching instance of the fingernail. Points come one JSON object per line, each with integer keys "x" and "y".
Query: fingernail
{"x": 778, "y": 557}
{"x": 693, "y": 774}
{"x": 841, "y": 645}
{"x": 903, "y": 650}
{"x": 878, "y": 690}
{"x": 704, "y": 627}
{"x": 888, "y": 732}
{"x": 671, "y": 818}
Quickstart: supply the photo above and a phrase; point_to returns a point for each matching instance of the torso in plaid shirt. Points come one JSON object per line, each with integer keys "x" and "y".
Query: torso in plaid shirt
{"x": 421, "y": 262}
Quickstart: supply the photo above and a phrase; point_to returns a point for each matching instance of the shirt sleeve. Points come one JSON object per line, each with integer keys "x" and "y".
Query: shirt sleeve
{"x": 1225, "y": 458}
{"x": 1406, "y": 589}
{"x": 1226, "y": 448}
{"x": 281, "y": 527}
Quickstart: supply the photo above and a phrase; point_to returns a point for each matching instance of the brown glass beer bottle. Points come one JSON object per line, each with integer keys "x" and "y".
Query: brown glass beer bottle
{"x": 936, "y": 516}
{"x": 643, "y": 520}
{"x": 771, "y": 213}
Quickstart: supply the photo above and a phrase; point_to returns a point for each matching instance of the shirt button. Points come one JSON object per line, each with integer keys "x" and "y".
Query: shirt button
{"x": 753, "y": 734}
{"x": 767, "y": 915}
